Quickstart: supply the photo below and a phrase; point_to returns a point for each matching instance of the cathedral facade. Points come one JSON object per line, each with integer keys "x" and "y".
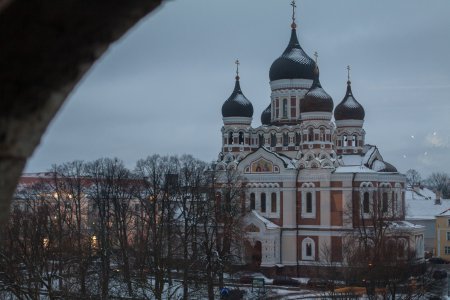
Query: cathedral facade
{"x": 310, "y": 176}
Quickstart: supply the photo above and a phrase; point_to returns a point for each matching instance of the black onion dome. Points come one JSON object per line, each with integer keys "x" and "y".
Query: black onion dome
{"x": 349, "y": 108}
{"x": 316, "y": 99}
{"x": 237, "y": 105}
{"x": 266, "y": 115}
{"x": 294, "y": 63}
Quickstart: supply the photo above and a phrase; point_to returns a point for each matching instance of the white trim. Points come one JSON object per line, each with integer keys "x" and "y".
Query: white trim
{"x": 237, "y": 120}
{"x": 310, "y": 241}
{"x": 349, "y": 123}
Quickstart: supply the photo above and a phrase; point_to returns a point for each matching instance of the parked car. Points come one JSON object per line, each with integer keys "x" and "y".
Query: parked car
{"x": 285, "y": 280}
{"x": 438, "y": 261}
{"x": 319, "y": 283}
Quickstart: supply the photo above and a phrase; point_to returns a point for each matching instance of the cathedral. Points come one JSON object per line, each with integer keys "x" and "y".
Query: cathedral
{"x": 310, "y": 176}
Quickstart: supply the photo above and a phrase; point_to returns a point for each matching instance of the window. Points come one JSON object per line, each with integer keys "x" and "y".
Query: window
{"x": 309, "y": 202}
{"x": 230, "y": 138}
{"x": 310, "y": 135}
{"x": 285, "y": 139}
{"x": 354, "y": 140}
{"x": 366, "y": 203}
{"x": 447, "y": 250}
{"x": 448, "y": 235}
{"x": 344, "y": 141}
{"x": 448, "y": 222}
{"x": 241, "y": 138}
{"x": 273, "y": 140}
{"x": 263, "y": 202}
{"x": 298, "y": 139}
{"x": 308, "y": 249}
{"x": 385, "y": 204}
{"x": 252, "y": 201}
{"x": 273, "y": 204}
{"x": 261, "y": 140}
{"x": 322, "y": 135}
{"x": 277, "y": 109}
{"x": 284, "y": 108}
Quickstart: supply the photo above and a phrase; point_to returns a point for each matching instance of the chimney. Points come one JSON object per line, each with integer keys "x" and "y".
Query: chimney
{"x": 437, "y": 201}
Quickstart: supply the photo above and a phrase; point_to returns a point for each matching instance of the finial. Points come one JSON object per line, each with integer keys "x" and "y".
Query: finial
{"x": 316, "y": 55}
{"x": 237, "y": 68}
{"x": 293, "y": 25}
{"x": 348, "y": 74}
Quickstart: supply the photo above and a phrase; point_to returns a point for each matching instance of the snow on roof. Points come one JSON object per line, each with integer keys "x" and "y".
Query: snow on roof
{"x": 420, "y": 205}
{"x": 370, "y": 150}
{"x": 267, "y": 223}
{"x": 404, "y": 225}
{"x": 352, "y": 160}
{"x": 445, "y": 213}
{"x": 354, "y": 169}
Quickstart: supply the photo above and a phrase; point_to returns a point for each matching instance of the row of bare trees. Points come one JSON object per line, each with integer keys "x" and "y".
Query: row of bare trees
{"x": 168, "y": 229}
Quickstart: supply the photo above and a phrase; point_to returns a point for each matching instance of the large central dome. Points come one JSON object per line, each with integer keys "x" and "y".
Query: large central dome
{"x": 294, "y": 63}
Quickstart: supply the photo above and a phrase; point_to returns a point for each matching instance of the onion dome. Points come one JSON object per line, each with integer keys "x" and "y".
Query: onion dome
{"x": 266, "y": 115}
{"x": 294, "y": 63}
{"x": 316, "y": 99}
{"x": 237, "y": 105}
{"x": 349, "y": 108}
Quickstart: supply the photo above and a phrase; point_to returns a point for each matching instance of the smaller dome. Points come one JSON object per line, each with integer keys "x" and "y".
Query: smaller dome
{"x": 349, "y": 108}
{"x": 266, "y": 115}
{"x": 316, "y": 99}
{"x": 237, "y": 105}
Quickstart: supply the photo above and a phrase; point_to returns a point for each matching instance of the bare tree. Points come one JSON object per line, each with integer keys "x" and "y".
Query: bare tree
{"x": 413, "y": 177}
{"x": 440, "y": 182}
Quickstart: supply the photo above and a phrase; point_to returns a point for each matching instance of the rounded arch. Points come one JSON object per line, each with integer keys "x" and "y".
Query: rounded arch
{"x": 308, "y": 249}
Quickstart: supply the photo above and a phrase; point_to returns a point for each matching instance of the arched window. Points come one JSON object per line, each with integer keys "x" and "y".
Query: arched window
{"x": 273, "y": 204}
{"x": 263, "y": 202}
{"x": 285, "y": 139}
{"x": 344, "y": 141}
{"x": 230, "y": 138}
{"x": 273, "y": 140}
{"x": 385, "y": 204}
{"x": 322, "y": 134}
{"x": 241, "y": 138}
{"x": 366, "y": 203}
{"x": 354, "y": 140}
{"x": 308, "y": 249}
{"x": 310, "y": 134}
{"x": 298, "y": 139}
{"x": 261, "y": 140}
{"x": 284, "y": 108}
{"x": 309, "y": 203}
{"x": 252, "y": 201}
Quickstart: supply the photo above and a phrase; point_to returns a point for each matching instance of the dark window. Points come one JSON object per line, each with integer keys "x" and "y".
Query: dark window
{"x": 263, "y": 202}
{"x": 285, "y": 139}
{"x": 310, "y": 135}
{"x": 230, "y": 138}
{"x": 252, "y": 201}
{"x": 322, "y": 135}
{"x": 261, "y": 140}
{"x": 274, "y": 202}
{"x": 366, "y": 203}
{"x": 309, "y": 202}
{"x": 354, "y": 140}
{"x": 308, "y": 249}
{"x": 273, "y": 140}
{"x": 344, "y": 141}
{"x": 284, "y": 108}
{"x": 298, "y": 138}
{"x": 241, "y": 138}
{"x": 385, "y": 202}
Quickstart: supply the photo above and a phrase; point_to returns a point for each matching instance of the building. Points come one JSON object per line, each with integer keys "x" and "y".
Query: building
{"x": 442, "y": 243}
{"x": 310, "y": 179}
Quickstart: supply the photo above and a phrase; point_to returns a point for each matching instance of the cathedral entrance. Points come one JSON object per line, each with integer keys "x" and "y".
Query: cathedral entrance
{"x": 253, "y": 255}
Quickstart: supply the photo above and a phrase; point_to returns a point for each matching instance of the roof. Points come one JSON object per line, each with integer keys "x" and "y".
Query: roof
{"x": 349, "y": 108}
{"x": 237, "y": 105}
{"x": 420, "y": 204}
{"x": 370, "y": 161}
{"x": 316, "y": 99}
{"x": 267, "y": 223}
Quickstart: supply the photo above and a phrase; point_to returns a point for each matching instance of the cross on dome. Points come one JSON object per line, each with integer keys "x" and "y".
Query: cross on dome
{"x": 348, "y": 73}
{"x": 237, "y": 68}
{"x": 293, "y": 25}
{"x": 316, "y": 56}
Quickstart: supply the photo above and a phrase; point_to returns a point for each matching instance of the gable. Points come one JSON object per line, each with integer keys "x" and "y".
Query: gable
{"x": 262, "y": 161}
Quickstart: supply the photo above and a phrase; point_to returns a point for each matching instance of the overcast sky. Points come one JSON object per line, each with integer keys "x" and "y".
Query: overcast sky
{"x": 160, "y": 89}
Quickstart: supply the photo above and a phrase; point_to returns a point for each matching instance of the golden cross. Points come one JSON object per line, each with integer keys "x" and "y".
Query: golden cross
{"x": 237, "y": 66}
